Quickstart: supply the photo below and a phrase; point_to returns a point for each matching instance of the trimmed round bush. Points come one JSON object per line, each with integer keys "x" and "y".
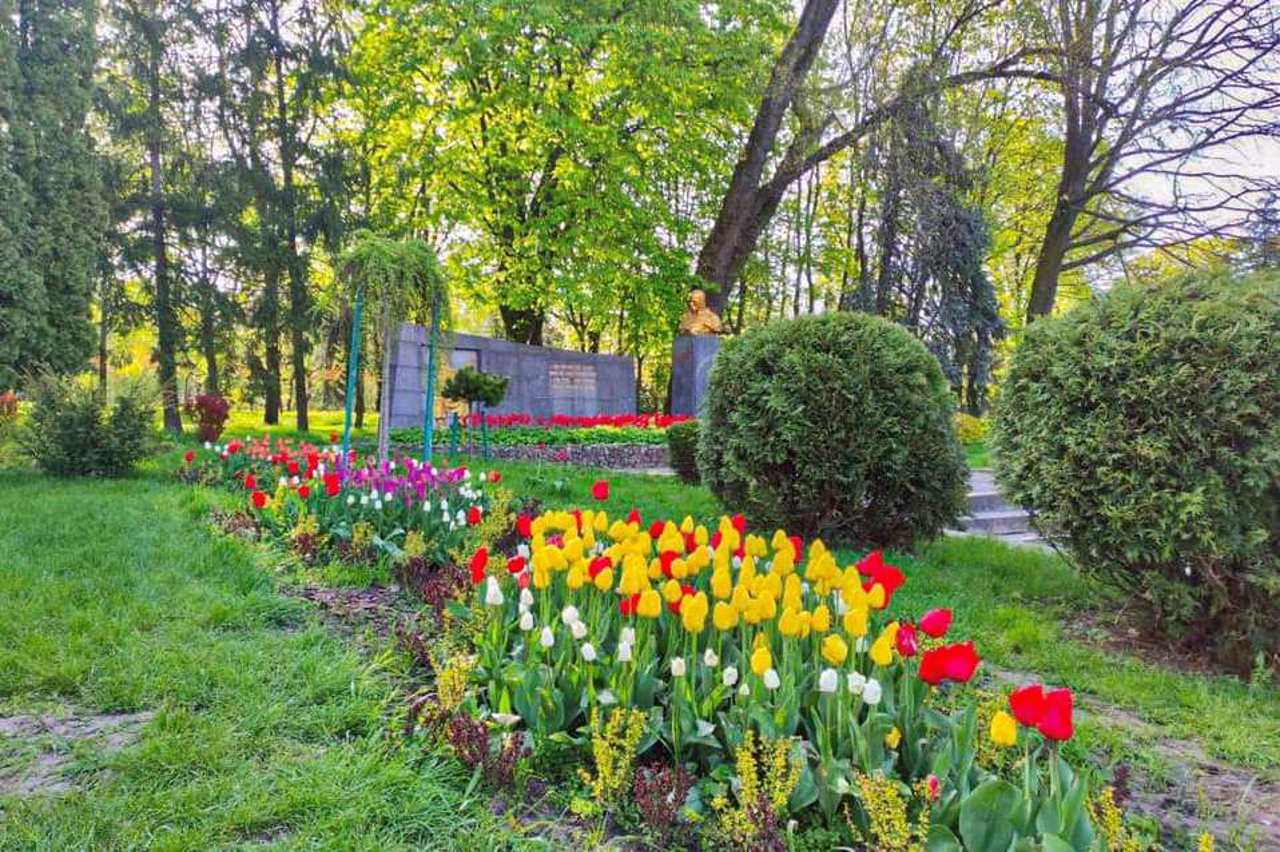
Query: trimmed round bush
{"x": 836, "y": 426}
{"x": 682, "y": 450}
{"x": 1143, "y": 429}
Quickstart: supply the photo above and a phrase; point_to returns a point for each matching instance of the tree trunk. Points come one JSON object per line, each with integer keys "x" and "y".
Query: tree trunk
{"x": 1053, "y": 249}
{"x": 747, "y": 205}
{"x": 104, "y": 329}
{"x": 208, "y": 325}
{"x": 166, "y": 323}
{"x": 271, "y": 330}
{"x": 523, "y": 325}
{"x": 297, "y": 274}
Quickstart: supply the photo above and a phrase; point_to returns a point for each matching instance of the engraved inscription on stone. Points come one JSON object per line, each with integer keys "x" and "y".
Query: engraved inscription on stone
{"x": 572, "y": 380}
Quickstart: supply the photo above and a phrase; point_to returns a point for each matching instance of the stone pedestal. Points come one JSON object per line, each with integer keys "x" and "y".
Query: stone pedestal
{"x": 691, "y": 359}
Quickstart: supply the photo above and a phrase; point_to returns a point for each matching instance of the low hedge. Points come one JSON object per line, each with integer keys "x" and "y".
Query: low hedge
{"x": 1144, "y": 429}
{"x": 682, "y": 450}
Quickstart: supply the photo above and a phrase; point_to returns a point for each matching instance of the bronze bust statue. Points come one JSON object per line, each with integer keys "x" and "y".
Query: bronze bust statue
{"x": 699, "y": 319}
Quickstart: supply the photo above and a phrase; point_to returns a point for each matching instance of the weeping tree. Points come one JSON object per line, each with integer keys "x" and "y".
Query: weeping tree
{"x": 393, "y": 278}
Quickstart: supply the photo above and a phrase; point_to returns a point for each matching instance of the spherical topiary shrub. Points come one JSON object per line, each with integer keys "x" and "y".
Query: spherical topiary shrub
{"x": 682, "y": 448}
{"x": 836, "y": 426}
{"x": 1144, "y": 430}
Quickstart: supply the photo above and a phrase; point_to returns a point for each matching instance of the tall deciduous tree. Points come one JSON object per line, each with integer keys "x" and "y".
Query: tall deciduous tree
{"x": 1154, "y": 98}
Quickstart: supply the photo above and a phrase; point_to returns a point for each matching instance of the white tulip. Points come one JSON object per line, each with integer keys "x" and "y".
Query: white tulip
{"x": 744, "y": 690}
{"x": 628, "y": 635}
{"x": 569, "y": 615}
{"x": 871, "y": 692}
{"x": 444, "y": 504}
{"x": 492, "y": 594}
{"x": 710, "y": 659}
{"x": 855, "y": 682}
{"x": 624, "y": 652}
{"x": 522, "y": 550}
{"x": 771, "y": 679}
{"x": 351, "y": 498}
{"x": 526, "y": 621}
{"x": 588, "y": 652}
{"x": 506, "y": 719}
{"x": 208, "y": 445}
{"x": 284, "y": 481}
{"x": 294, "y": 481}
{"x": 828, "y": 681}
{"x": 730, "y": 676}
{"x": 526, "y": 598}
{"x": 677, "y": 666}
{"x": 426, "y": 505}
{"x": 386, "y": 496}
{"x": 547, "y": 639}
{"x": 606, "y": 697}
{"x": 377, "y": 505}
{"x": 578, "y": 629}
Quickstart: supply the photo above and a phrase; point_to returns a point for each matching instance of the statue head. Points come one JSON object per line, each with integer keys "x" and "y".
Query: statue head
{"x": 697, "y": 300}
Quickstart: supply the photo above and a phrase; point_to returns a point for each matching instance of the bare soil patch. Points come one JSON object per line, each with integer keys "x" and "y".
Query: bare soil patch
{"x": 36, "y": 750}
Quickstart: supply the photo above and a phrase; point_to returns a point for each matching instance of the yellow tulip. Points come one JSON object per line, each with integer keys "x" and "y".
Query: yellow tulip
{"x": 721, "y": 583}
{"x": 604, "y": 580}
{"x": 834, "y": 649}
{"x": 601, "y": 522}
{"x": 686, "y": 526}
{"x": 576, "y": 577}
{"x": 741, "y": 598}
{"x": 1004, "y": 730}
{"x": 855, "y": 622}
{"x": 761, "y": 660}
{"x": 700, "y": 536}
{"x": 892, "y": 738}
{"x": 783, "y": 564}
{"x": 789, "y": 623}
{"x": 671, "y": 591}
{"x": 821, "y": 618}
{"x": 768, "y": 605}
{"x": 882, "y": 648}
{"x": 649, "y": 605}
{"x": 679, "y": 569}
{"x": 792, "y": 592}
{"x": 875, "y": 598}
{"x": 541, "y": 578}
{"x": 693, "y": 612}
{"x": 724, "y": 616}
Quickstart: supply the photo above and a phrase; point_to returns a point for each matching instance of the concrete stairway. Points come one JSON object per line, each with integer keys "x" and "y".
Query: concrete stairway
{"x": 990, "y": 515}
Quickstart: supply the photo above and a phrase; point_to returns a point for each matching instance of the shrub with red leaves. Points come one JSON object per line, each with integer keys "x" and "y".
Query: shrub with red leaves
{"x": 659, "y": 793}
{"x": 212, "y": 412}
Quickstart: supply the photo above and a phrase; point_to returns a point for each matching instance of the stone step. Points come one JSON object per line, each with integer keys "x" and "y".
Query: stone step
{"x": 998, "y": 522}
{"x": 986, "y": 501}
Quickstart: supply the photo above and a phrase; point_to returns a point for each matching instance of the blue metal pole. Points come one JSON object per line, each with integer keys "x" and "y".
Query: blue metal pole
{"x": 429, "y": 398}
{"x": 353, "y": 370}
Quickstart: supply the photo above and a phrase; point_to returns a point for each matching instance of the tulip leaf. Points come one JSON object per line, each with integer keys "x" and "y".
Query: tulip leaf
{"x": 941, "y": 839}
{"x": 986, "y": 823}
{"x": 1054, "y": 843}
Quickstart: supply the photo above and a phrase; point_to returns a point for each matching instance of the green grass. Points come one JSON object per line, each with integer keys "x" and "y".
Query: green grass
{"x": 113, "y": 598}
{"x": 323, "y": 423}
{"x": 977, "y": 455}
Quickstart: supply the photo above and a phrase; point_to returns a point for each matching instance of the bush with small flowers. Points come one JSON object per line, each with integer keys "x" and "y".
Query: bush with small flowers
{"x": 722, "y": 640}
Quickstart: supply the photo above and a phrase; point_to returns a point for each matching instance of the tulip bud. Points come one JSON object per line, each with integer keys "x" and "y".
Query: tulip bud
{"x": 547, "y": 639}
{"x": 771, "y": 679}
{"x": 730, "y": 676}
{"x": 871, "y": 693}
{"x": 855, "y": 682}
{"x": 677, "y": 667}
{"x": 628, "y": 635}
{"x": 569, "y": 615}
{"x": 828, "y": 681}
{"x": 526, "y": 621}
{"x": 492, "y": 593}
{"x": 624, "y": 652}
{"x": 578, "y": 629}
{"x": 588, "y": 652}
{"x": 710, "y": 659}
{"x": 526, "y": 598}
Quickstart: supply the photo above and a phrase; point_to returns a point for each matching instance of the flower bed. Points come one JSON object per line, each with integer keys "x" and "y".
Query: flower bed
{"x": 773, "y": 676}
{"x": 319, "y": 504}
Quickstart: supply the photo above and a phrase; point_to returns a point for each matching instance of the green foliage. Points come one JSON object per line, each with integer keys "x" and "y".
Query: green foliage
{"x": 682, "y": 448}
{"x": 1144, "y": 429}
{"x": 551, "y": 436}
{"x": 72, "y": 432}
{"x": 835, "y": 425}
{"x": 405, "y": 273}
{"x": 970, "y": 429}
{"x": 472, "y": 386}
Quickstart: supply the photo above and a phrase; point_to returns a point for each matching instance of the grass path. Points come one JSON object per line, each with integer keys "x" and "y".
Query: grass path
{"x": 266, "y": 727}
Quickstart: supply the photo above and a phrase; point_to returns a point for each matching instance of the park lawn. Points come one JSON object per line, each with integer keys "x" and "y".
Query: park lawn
{"x": 116, "y": 597}
{"x": 324, "y": 423}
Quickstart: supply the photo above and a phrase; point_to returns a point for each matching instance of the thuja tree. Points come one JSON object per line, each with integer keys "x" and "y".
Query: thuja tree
{"x": 393, "y": 278}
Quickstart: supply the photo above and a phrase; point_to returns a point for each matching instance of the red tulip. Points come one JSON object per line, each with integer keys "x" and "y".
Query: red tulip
{"x": 522, "y": 579}
{"x": 515, "y": 564}
{"x": 655, "y": 530}
{"x": 597, "y": 565}
{"x": 600, "y": 490}
{"x": 665, "y": 559}
{"x": 906, "y": 640}
{"x": 627, "y": 606}
{"x": 1027, "y": 704}
{"x": 716, "y": 538}
{"x": 577, "y": 519}
{"x": 955, "y": 662}
{"x": 473, "y": 516}
{"x": 739, "y": 523}
{"x": 871, "y": 563}
{"x": 304, "y": 491}
{"x": 936, "y": 622}
{"x": 259, "y": 499}
{"x": 292, "y": 467}
{"x": 1055, "y": 723}
{"x": 479, "y": 561}
{"x": 524, "y": 526}
{"x": 934, "y": 787}
{"x": 888, "y": 576}
{"x": 333, "y": 437}
{"x": 494, "y": 476}
{"x": 189, "y": 457}
{"x": 634, "y": 517}
{"x": 797, "y": 544}
{"x": 250, "y": 481}
{"x": 331, "y": 485}
{"x": 690, "y": 543}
